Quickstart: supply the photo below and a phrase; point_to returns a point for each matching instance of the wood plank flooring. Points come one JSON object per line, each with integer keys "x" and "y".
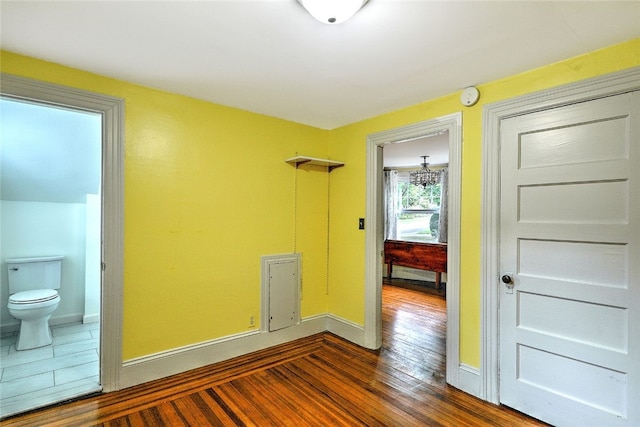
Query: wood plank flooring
{"x": 316, "y": 381}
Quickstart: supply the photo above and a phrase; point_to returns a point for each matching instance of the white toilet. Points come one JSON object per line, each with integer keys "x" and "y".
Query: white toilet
{"x": 33, "y": 297}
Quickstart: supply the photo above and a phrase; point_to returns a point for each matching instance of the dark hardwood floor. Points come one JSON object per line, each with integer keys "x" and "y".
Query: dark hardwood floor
{"x": 316, "y": 381}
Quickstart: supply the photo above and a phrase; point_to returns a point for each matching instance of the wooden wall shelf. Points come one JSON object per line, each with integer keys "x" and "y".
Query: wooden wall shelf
{"x": 300, "y": 160}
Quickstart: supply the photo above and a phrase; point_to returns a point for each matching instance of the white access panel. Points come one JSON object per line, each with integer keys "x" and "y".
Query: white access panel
{"x": 569, "y": 247}
{"x": 280, "y": 291}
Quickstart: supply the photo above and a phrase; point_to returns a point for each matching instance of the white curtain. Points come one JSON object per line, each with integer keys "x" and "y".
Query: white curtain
{"x": 443, "y": 223}
{"x": 391, "y": 204}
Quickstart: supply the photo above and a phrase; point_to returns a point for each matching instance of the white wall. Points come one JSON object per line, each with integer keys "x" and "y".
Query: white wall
{"x": 92, "y": 259}
{"x": 35, "y": 229}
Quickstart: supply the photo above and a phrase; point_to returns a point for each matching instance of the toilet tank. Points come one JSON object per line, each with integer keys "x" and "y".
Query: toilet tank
{"x": 26, "y": 274}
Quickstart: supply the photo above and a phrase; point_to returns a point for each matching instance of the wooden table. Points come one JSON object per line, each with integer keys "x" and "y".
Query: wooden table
{"x": 424, "y": 256}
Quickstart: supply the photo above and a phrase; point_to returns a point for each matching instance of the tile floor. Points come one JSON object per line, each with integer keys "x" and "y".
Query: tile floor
{"x": 34, "y": 378}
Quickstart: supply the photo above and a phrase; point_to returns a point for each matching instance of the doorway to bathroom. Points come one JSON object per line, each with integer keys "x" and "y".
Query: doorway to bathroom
{"x": 51, "y": 204}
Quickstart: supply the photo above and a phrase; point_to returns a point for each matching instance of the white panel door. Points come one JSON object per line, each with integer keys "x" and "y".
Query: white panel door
{"x": 570, "y": 263}
{"x": 283, "y": 293}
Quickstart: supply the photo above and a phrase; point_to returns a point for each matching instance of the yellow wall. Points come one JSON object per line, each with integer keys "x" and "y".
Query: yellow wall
{"x": 207, "y": 193}
{"x": 346, "y": 274}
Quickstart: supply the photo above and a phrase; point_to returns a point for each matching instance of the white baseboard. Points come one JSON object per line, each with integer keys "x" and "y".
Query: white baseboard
{"x": 345, "y": 329}
{"x": 400, "y": 272}
{"x": 160, "y": 365}
{"x": 469, "y": 379}
{"x": 91, "y": 318}
{"x": 14, "y": 326}
{"x": 10, "y": 328}
{"x": 67, "y": 318}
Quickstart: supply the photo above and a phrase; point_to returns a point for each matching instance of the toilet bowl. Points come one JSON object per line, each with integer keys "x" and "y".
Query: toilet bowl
{"x": 33, "y": 297}
{"x": 33, "y": 309}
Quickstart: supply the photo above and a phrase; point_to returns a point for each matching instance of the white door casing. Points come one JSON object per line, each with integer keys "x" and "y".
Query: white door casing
{"x": 112, "y": 111}
{"x": 374, "y": 242}
{"x": 569, "y": 230}
{"x": 585, "y": 90}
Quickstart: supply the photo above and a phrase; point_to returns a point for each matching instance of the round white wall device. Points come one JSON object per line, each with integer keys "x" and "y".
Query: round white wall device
{"x": 469, "y": 96}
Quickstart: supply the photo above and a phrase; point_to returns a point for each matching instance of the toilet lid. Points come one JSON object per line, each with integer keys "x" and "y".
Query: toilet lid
{"x": 30, "y": 297}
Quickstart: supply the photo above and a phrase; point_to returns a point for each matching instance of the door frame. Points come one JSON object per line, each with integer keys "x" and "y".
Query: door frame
{"x": 582, "y": 91}
{"x": 374, "y": 241}
{"x": 112, "y": 111}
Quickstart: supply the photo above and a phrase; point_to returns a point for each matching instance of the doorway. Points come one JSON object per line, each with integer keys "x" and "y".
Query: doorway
{"x": 415, "y": 206}
{"x": 110, "y": 267}
{"x": 374, "y": 238}
{"x": 50, "y": 202}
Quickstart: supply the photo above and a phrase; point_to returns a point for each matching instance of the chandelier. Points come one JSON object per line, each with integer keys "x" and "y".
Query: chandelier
{"x": 424, "y": 176}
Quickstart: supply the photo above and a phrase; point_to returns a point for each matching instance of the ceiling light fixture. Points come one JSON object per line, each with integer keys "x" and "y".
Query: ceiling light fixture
{"x": 332, "y": 11}
{"x": 424, "y": 176}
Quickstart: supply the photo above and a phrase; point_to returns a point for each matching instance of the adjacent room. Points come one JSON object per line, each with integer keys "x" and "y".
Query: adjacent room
{"x": 50, "y": 214}
{"x": 415, "y": 200}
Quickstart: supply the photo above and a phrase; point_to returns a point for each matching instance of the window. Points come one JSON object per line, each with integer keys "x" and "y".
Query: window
{"x": 419, "y": 213}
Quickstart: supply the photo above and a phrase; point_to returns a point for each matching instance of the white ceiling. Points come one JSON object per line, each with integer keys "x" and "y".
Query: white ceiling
{"x": 271, "y": 57}
{"x": 408, "y": 154}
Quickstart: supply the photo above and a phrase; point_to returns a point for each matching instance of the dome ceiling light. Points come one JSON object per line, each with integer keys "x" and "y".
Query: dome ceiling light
{"x": 332, "y": 11}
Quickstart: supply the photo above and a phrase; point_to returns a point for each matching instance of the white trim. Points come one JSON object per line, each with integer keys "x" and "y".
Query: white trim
{"x": 14, "y": 326}
{"x": 611, "y": 84}
{"x": 345, "y": 329}
{"x": 469, "y": 379}
{"x": 174, "y": 361}
{"x": 66, "y": 319}
{"x": 91, "y": 318}
{"x": 373, "y": 251}
{"x": 112, "y": 111}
